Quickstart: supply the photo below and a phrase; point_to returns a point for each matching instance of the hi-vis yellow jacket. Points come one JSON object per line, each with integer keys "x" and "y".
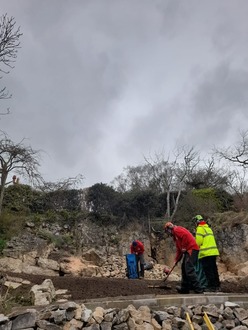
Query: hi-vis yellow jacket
{"x": 206, "y": 241}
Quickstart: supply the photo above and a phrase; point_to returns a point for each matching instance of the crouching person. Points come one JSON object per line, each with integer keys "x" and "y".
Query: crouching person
{"x": 138, "y": 249}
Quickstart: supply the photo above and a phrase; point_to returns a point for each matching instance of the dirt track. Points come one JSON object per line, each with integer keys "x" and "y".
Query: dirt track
{"x": 81, "y": 289}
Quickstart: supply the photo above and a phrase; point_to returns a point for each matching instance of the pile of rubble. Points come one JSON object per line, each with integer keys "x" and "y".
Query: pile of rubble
{"x": 71, "y": 315}
{"x": 115, "y": 266}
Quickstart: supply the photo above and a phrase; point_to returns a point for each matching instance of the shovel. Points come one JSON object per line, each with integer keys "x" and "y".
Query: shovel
{"x": 164, "y": 280}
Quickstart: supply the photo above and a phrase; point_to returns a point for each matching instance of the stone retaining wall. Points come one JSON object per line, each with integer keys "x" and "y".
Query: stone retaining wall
{"x": 72, "y": 316}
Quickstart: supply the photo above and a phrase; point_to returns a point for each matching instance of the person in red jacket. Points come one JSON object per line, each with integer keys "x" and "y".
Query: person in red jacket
{"x": 138, "y": 249}
{"x": 187, "y": 250}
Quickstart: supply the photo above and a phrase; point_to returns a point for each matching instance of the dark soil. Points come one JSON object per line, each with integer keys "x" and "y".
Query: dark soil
{"x": 83, "y": 289}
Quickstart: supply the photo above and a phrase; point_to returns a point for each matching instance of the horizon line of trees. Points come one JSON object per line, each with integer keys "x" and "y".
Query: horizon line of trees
{"x": 160, "y": 187}
{"x": 136, "y": 193}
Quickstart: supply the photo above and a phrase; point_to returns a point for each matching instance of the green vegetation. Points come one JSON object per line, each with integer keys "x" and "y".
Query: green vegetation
{"x": 59, "y": 241}
{"x": 10, "y": 298}
{"x": 158, "y": 190}
{"x": 2, "y": 245}
{"x": 23, "y": 199}
{"x": 11, "y": 225}
{"x": 102, "y": 204}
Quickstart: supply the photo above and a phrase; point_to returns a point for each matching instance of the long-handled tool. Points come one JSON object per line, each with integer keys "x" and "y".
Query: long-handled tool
{"x": 164, "y": 280}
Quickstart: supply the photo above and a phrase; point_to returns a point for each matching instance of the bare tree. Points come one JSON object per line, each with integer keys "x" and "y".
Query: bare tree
{"x": 170, "y": 177}
{"x": 9, "y": 45}
{"x": 162, "y": 175}
{"x": 134, "y": 178}
{"x": 63, "y": 184}
{"x": 19, "y": 158}
{"x": 209, "y": 175}
{"x": 237, "y": 154}
{"x": 239, "y": 188}
{"x": 63, "y": 193}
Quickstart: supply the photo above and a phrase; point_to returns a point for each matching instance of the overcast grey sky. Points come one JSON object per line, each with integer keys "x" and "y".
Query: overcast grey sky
{"x": 98, "y": 84}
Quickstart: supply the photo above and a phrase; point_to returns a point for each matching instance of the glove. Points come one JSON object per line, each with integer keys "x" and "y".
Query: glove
{"x": 166, "y": 270}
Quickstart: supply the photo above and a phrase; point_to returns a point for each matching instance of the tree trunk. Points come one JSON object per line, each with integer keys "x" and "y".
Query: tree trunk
{"x": 2, "y": 188}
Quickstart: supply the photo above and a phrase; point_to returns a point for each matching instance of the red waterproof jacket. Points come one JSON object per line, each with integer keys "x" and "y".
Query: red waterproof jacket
{"x": 184, "y": 240}
{"x": 138, "y": 249}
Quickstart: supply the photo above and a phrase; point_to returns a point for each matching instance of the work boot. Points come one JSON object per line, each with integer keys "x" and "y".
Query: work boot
{"x": 142, "y": 271}
{"x": 182, "y": 290}
{"x": 210, "y": 290}
{"x": 200, "y": 290}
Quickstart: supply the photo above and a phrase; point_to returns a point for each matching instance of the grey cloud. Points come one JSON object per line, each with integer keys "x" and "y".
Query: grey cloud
{"x": 229, "y": 34}
{"x": 224, "y": 37}
{"x": 223, "y": 90}
{"x": 220, "y": 102}
{"x": 99, "y": 84}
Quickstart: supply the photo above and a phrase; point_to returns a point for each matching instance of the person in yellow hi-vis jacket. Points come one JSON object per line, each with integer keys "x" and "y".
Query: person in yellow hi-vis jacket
{"x": 208, "y": 253}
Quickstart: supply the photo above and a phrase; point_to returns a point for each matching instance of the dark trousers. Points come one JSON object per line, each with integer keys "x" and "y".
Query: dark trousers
{"x": 140, "y": 264}
{"x": 201, "y": 275}
{"x": 189, "y": 277}
{"x": 211, "y": 271}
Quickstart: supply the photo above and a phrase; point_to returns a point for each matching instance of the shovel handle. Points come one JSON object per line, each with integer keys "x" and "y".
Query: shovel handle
{"x": 173, "y": 267}
{"x": 170, "y": 272}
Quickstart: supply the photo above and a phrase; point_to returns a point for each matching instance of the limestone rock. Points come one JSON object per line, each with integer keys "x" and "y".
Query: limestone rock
{"x": 43, "y": 294}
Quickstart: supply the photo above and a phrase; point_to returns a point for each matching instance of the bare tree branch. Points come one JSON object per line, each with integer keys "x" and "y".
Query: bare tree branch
{"x": 7, "y": 111}
{"x": 237, "y": 154}
{"x": 9, "y": 45}
{"x": 21, "y": 159}
{"x": 170, "y": 176}
{"x": 63, "y": 184}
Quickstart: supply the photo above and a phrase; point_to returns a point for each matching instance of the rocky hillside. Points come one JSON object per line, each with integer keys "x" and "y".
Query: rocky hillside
{"x": 52, "y": 249}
